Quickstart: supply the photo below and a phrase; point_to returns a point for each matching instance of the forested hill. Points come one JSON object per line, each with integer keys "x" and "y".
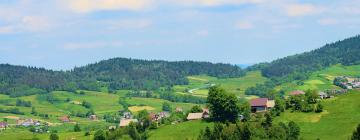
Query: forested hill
{"x": 133, "y": 73}
{"x": 117, "y": 73}
{"x": 346, "y": 52}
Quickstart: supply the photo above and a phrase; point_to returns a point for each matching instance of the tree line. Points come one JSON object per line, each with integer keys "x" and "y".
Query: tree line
{"x": 114, "y": 74}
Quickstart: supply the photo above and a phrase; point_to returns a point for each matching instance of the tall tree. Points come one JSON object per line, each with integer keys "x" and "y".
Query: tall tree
{"x": 223, "y": 106}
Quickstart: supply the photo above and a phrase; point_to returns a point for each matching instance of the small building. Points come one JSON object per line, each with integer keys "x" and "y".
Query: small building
{"x": 178, "y": 109}
{"x": 3, "y": 125}
{"x": 323, "y": 95}
{"x": 297, "y": 92}
{"x": 261, "y": 104}
{"x": 25, "y": 122}
{"x": 93, "y": 117}
{"x": 164, "y": 114}
{"x": 200, "y": 115}
{"x": 127, "y": 115}
{"x": 64, "y": 119}
{"x": 126, "y": 122}
{"x": 194, "y": 116}
{"x": 112, "y": 128}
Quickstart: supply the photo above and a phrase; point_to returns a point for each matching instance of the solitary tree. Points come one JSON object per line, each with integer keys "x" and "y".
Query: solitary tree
{"x": 99, "y": 135}
{"x": 166, "y": 106}
{"x": 223, "y": 106}
{"x": 77, "y": 128}
{"x": 356, "y": 133}
{"x": 294, "y": 131}
{"x": 54, "y": 136}
{"x": 196, "y": 109}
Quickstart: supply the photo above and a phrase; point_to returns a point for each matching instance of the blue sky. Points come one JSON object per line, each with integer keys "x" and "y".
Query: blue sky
{"x": 61, "y": 34}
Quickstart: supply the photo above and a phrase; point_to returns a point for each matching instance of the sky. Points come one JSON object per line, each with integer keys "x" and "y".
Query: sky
{"x": 62, "y": 34}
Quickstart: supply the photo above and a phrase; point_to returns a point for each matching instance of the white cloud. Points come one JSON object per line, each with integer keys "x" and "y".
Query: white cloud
{"x": 203, "y": 33}
{"x": 27, "y": 24}
{"x": 295, "y": 10}
{"x": 215, "y": 2}
{"x": 85, "y": 6}
{"x": 128, "y": 24}
{"x": 244, "y": 25}
{"x": 94, "y": 45}
{"x": 328, "y": 21}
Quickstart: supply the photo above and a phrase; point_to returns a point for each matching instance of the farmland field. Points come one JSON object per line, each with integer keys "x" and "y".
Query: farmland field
{"x": 338, "y": 121}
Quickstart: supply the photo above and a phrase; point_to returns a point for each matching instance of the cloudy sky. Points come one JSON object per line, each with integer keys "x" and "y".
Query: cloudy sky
{"x": 61, "y": 34}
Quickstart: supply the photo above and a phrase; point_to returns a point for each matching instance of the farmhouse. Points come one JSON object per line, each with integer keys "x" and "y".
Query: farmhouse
{"x": 126, "y": 122}
{"x": 64, "y": 119}
{"x": 93, "y": 117}
{"x": 323, "y": 95}
{"x": 27, "y": 122}
{"x": 200, "y": 115}
{"x": 178, "y": 109}
{"x": 297, "y": 92}
{"x": 3, "y": 125}
{"x": 261, "y": 104}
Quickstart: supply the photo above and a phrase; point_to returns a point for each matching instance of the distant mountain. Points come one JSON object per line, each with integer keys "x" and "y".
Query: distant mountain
{"x": 114, "y": 74}
{"x": 346, "y": 52}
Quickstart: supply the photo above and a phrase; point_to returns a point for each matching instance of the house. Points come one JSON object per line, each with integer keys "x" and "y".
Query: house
{"x": 126, "y": 122}
{"x": 64, "y": 119}
{"x": 194, "y": 116}
{"x": 261, "y": 104}
{"x": 200, "y": 115}
{"x": 323, "y": 95}
{"x": 297, "y": 92}
{"x": 178, "y": 109}
{"x": 93, "y": 117}
{"x": 127, "y": 115}
{"x": 3, "y": 125}
{"x": 153, "y": 116}
{"x": 112, "y": 128}
{"x": 27, "y": 122}
{"x": 164, "y": 114}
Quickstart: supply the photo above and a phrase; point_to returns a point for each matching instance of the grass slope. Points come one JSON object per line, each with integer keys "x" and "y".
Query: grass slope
{"x": 181, "y": 131}
{"x": 338, "y": 121}
{"x": 232, "y": 85}
{"x": 323, "y": 79}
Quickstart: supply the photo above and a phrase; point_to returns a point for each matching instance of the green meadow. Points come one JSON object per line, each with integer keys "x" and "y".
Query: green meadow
{"x": 233, "y": 85}
{"x": 322, "y": 80}
{"x": 337, "y": 122}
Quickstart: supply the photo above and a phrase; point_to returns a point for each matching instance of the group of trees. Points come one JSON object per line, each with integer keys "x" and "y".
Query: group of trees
{"x": 24, "y": 103}
{"x": 305, "y": 103}
{"x": 117, "y": 73}
{"x": 298, "y": 67}
{"x": 263, "y": 129}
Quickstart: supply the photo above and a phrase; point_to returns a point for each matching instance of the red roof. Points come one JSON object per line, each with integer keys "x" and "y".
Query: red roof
{"x": 297, "y": 92}
{"x": 259, "y": 102}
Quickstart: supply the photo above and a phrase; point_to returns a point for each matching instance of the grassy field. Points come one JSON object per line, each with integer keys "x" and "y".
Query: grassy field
{"x": 338, "y": 121}
{"x": 323, "y": 79}
{"x": 232, "y": 85}
{"x": 181, "y": 131}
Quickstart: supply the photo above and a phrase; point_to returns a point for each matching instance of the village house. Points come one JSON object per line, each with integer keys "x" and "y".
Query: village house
{"x": 64, "y": 119}
{"x": 27, "y": 122}
{"x": 297, "y": 92}
{"x": 261, "y": 104}
{"x": 127, "y": 115}
{"x": 178, "y": 109}
{"x": 93, "y": 117}
{"x": 158, "y": 116}
{"x": 323, "y": 95}
{"x": 3, "y": 125}
{"x": 200, "y": 115}
{"x": 126, "y": 122}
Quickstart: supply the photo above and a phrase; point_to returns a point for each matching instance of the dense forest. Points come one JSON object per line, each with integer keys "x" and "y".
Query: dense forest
{"x": 114, "y": 74}
{"x": 300, "y": 66}
{"x": 344, "y": 52}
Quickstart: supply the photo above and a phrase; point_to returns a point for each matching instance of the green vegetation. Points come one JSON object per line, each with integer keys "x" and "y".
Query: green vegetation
{"x": 337, "y": 121}
{"x": 200, "y": 84}
{"x": 181, "y": 131}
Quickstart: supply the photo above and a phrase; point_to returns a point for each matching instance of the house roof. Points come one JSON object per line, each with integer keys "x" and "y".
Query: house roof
{"x": 259, "y": 102}
{"x": 194, "y": 116}
{"x": 64, "y": 118}
{"x": 3, "y": 124}
{"x": 126, "y": 122}
{"x": 297, "y": 92}
{"x": 270, "y": 103}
